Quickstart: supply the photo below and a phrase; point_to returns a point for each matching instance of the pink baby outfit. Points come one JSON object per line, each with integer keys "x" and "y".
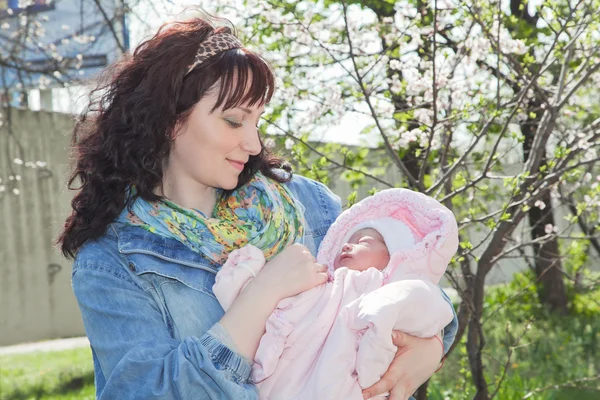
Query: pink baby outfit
{"x": 332, "y": 341}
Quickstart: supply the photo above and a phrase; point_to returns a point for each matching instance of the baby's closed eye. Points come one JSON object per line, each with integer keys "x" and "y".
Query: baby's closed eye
{"x": 369, "y": 240}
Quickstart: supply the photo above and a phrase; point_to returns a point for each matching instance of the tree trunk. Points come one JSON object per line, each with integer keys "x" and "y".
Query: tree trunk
{"x": 548, "y": 266}
{"x": 475, "y": 338}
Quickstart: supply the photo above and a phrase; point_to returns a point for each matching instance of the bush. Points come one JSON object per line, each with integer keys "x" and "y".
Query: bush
{"x": 529, "y": 351}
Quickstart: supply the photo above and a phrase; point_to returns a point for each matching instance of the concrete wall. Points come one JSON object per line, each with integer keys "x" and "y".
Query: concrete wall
{"x": 36, "y": 301}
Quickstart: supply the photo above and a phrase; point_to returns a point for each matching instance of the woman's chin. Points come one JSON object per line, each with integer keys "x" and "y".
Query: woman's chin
{"x": 228, "y": 183}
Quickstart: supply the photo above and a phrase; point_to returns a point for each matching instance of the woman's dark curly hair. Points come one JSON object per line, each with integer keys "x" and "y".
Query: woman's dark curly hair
{"x": 125, "y": 134}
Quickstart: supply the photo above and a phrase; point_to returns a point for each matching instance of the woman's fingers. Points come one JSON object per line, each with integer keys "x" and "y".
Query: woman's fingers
{"x": 398, "y": 393}
{"x": 389, "y": 380}
{"x": 385, "y": 384}
{"x": 399, "y": 338}
{"x": 322, "y": 272}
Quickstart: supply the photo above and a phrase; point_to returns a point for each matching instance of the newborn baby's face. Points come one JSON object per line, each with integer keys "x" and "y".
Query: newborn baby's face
{"x": 365, "y": 249}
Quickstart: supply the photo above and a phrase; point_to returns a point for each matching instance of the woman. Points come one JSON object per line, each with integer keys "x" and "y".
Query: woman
{"x": 173, "y": 176}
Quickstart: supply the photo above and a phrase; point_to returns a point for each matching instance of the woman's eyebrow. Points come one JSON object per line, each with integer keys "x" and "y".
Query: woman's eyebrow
{"x": 248, "y": 111}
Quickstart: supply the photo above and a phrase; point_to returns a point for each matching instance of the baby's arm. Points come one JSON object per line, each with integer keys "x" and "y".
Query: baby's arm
{"x": 416, "y": 307}
{"x": 241, "y": 267}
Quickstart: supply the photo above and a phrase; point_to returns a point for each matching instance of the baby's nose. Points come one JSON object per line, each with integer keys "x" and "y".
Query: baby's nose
{"x": 347, "y": 247}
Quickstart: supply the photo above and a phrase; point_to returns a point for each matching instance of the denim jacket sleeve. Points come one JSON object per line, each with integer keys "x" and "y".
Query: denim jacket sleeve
{"x": 450, "y": 329}
{"x": 138, "y": 357}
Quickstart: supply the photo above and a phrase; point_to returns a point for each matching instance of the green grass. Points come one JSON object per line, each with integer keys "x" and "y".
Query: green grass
{"x": 64, "y": 375}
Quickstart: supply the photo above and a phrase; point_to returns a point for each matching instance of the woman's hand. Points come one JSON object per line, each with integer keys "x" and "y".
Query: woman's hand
{"x": 416, "y": 360}
{"x": 291, "y": 272}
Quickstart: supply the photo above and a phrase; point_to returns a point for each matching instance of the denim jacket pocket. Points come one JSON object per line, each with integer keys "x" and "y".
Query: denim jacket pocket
{"x": 157, "y": 271}
{"x": 184, "y": 292}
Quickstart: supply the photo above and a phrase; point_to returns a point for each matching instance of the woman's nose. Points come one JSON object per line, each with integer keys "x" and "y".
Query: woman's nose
{"x": 251, "y": 142}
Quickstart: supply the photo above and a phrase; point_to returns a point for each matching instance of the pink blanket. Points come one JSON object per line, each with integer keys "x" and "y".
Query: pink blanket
{"x": 331, "y": 341}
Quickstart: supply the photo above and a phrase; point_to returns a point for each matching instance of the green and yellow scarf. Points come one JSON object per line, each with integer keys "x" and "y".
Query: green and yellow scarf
{"x": 262, "y": 213}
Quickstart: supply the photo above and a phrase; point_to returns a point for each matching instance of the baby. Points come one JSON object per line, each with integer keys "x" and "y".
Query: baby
{"x": 365, "y": 247}
{"x": 386, "y": 255}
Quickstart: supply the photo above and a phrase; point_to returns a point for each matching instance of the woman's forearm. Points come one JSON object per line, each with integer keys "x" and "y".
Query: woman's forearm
{"x": 246, "y": 318}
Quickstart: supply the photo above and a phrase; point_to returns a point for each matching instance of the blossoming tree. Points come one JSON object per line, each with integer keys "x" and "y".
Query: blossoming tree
{"x": 489, "y": 106}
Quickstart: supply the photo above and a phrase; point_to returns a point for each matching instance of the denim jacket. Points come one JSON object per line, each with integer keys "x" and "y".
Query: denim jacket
{"x": 147, "y": 306}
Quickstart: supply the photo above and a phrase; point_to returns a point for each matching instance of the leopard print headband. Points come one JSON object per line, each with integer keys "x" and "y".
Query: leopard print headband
{"x": 217, "y": 43}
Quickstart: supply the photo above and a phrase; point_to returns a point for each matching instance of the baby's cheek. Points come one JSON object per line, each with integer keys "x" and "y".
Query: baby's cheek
{"x": 381, "y": 260}
{"x": 336, "y": 262}
{"x": 363, "y": 260}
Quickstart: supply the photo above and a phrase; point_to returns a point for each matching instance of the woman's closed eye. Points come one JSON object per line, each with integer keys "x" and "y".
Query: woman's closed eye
{"x": 233, "y": 124}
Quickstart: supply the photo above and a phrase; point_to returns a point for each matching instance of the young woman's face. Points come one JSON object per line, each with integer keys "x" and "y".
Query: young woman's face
{"x": 212, "y": 148}
{"x": 365, "y": 249}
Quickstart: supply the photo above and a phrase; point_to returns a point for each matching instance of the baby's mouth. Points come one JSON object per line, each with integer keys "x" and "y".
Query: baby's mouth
{"x": 339, "y": 259}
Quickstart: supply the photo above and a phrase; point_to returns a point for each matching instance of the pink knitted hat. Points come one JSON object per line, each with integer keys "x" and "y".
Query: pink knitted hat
{"x": 399, "y": 215}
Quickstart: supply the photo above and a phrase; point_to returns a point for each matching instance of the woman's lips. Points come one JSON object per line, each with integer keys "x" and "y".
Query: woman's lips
{"x": 236, "y": 164}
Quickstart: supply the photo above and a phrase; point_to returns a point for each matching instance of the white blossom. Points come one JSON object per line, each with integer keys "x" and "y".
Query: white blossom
{"x": 269, "y": 143}
{"x": 515, "y": 46}
{"x": 424, "y": 116}
{"x": 396, "y": 65}
{"x": 406, "y": 9}
{"x": 583, "y": 144}
{"x": 408, "y": 137}
{"x": 289, "y": 143}
{"x": 395, "y": 84}
{"x": 445, "y": 5}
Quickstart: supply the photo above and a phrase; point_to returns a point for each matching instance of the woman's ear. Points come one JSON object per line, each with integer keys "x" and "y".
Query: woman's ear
{"x": 177, "y": 129}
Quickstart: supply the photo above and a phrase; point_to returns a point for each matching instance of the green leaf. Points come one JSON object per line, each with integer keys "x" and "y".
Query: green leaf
{"x": 351, "y": 199}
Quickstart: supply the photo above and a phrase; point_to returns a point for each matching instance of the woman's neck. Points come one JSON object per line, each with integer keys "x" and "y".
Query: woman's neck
{"x": 188, "y": 193}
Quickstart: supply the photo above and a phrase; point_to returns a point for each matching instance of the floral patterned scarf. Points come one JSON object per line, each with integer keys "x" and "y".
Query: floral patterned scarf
{"x": 262, "y": 213}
